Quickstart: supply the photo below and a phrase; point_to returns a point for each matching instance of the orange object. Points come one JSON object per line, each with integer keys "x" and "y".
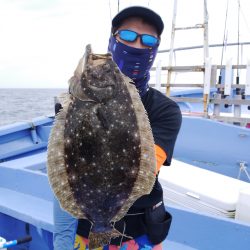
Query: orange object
{"x": 161, "y": 157}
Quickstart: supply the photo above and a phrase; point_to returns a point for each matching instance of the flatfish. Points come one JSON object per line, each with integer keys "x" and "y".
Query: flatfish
{"x": 101, "y": 156}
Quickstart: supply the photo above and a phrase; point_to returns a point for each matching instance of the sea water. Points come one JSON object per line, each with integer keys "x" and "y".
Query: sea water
{"x": 24, "y": 104}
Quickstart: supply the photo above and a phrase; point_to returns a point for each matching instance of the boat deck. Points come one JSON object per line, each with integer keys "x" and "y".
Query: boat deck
{"x": 26, "y": 197}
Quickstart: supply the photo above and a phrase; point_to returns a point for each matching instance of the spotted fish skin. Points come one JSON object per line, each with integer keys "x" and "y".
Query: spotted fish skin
{"x": 105, "y": 159}
{"x": 102, "y": 152}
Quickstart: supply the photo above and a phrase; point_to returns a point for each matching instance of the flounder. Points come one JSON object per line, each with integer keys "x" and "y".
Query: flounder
{"x": 101, "y": 156}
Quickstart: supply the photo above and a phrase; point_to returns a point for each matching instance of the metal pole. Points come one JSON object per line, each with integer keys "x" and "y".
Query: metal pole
{"x": 202, "y": 46}
{"x": 206, "y": 55}
{"x": 171, "y": 48}
{"x": 206, "y": 52}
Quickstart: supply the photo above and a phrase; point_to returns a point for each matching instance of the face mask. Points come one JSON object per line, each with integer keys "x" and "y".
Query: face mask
{"x": 133, "y": 62}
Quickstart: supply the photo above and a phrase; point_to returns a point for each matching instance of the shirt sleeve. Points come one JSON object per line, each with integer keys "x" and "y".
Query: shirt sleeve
{"x": 64, "y": 228}
{"x": 165, "y": 124}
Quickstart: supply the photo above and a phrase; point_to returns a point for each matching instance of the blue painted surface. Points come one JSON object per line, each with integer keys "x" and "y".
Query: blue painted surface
{"x": 11, "y": 228}
{"x": 213, "y": 145}
{"x": 18, "y": 139}
{"x": 191, "y": 107}
{"x": 198, "y": 107}
{"x": 205, "y": 232}
{"x": 26, "y": 197}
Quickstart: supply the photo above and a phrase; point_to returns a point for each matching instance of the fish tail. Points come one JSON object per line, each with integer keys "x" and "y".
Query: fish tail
{"x": 102, "y": 238}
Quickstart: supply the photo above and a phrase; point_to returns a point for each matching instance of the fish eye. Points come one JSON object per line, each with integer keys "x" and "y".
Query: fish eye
{"x": 95, "y": 74}
{"x": 88, "y": 67}
{"x": 106, "y": 67}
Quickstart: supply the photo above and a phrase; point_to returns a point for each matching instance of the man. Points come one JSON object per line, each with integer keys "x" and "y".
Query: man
{"x": 134, "y": 41}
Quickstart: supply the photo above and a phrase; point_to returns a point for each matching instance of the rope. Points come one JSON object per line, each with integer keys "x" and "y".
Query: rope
{"x": 238, "y": 48}
{"x": 124, "y": 228}
{"x": 224, "y": 36}
{"x": 243, "y": 168}
{"x": 134, "y": 214}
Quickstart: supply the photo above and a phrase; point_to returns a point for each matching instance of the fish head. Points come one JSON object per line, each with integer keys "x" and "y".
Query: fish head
{"x": 101, "y": 77}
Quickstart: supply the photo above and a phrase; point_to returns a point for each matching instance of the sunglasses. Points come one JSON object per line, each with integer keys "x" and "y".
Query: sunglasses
{"x": 131, "y": 36}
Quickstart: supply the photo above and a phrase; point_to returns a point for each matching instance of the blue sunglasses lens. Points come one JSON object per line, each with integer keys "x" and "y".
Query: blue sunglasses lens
{"x": 128, "y": 35}
{"x": 131, "y": 36}
{"x": 149, "y": 40}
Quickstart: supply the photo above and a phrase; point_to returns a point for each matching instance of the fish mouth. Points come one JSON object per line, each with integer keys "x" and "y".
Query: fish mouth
{"x": 101, "y": 87}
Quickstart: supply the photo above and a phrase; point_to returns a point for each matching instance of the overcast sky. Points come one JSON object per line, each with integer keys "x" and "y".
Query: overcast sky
{"x": 41, "y": 41}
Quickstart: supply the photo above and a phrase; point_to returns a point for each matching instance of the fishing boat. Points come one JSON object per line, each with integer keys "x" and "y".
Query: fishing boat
{"x": 208, "y": 223}
{"x": 206, "y": 189}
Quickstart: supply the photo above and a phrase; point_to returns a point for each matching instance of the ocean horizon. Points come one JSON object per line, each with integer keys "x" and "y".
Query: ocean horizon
{"x": 24, "y": 104}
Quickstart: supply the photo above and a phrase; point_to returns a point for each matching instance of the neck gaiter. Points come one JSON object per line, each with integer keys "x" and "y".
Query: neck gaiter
{"x": 133, "y": 62}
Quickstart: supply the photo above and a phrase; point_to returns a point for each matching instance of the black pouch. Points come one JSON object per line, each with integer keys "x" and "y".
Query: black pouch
{"x": 157, "y": 223}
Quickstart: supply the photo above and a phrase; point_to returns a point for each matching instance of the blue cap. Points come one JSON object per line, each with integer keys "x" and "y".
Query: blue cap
{"x": 138, "y": 11}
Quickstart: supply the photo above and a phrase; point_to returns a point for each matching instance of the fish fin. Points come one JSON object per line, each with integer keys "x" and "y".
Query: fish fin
{"x": 75, "y": 81}
{"x": 103, "y": 238}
